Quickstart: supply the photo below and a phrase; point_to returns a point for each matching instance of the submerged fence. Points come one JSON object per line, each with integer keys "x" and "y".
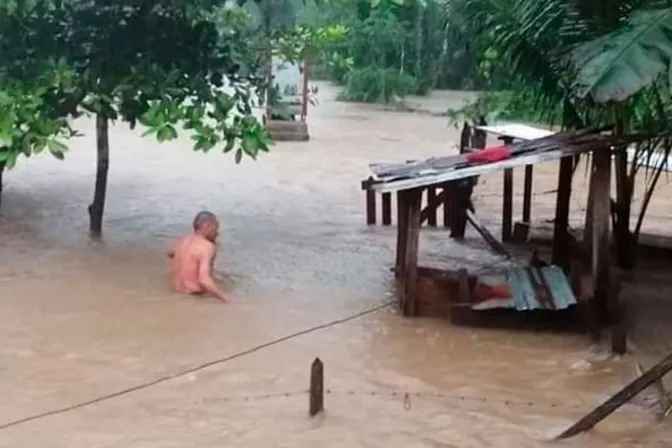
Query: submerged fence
{"x": 317, "y": 395}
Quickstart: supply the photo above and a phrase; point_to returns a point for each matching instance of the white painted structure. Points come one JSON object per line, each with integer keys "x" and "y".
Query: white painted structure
{"x": 288, "y": 78}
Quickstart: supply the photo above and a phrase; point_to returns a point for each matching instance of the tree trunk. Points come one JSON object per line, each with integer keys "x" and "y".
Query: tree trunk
{"x": 97, "y": 207}
{"x": 2, "y": 170}
{"x": 418, "y": 45}
{"x": 267, "y": 30}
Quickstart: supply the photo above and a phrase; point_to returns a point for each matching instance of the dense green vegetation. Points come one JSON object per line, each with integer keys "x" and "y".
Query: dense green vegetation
{"x": 393, "y": 48}
{"x": 167, "y": 65}
{"x": 562, "y": 62}
{"x": 579, "y": 64}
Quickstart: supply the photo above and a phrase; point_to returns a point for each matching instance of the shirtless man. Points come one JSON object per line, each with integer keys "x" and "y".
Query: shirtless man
{"x": 193, "y": 257}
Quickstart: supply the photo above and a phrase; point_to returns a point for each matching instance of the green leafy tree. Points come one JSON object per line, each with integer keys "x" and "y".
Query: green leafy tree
{"x": 275, "y": 28}
{"x": 161, "y": 63}
{"x": 395, "y": 48}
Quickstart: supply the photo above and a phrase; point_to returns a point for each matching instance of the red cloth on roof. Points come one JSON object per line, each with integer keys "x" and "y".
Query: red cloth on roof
{"x": 489, "y": 155}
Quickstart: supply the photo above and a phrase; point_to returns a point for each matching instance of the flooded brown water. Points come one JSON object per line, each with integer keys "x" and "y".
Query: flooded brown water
{"x": 80, "y": 319}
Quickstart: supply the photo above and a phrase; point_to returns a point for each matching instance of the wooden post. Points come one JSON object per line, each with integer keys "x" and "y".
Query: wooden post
{"x": 387, "y": 208}
{"x": 561, "y": 241}
{"x": 465, "y": 137}
{"x": 600, "y": 262}
{"x": 431, "y": 206}
{"x": 316, "y": 393}
{"x": 507, "y": 206}
{"x": 507, "y": 198}
{"x": 306, "y": 75}
{"x": 448, "y": 191}
{"x": 619, "y": 339}
{"x": 583, "y": 291}
{"x": 402, "y": 235}
{"x": 2, "y": 169}
{"x": 414, "y": 204}
{"x": 370, "y": 205}
{"x": 527, "y": 194}
{"x": 460, "y": 199}
{"x": 587, "y": 242}
{"x": 479, "y": 138}
{"x": 463, "y": 290}
{"x": 620, "y": 398}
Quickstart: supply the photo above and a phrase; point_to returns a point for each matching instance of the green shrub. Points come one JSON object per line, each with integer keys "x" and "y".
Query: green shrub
{"x": 377, "y": 85}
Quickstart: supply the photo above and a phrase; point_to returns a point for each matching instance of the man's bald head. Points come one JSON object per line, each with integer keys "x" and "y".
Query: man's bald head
{"x": 206, "y": 224}
{"x": 203, "y": 218}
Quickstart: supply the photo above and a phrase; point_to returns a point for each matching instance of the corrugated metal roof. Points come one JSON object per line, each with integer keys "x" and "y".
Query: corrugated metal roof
{"x": 524, "y": 132}
{"x": 540, "y": 288}
{"x": 437, "y": 170}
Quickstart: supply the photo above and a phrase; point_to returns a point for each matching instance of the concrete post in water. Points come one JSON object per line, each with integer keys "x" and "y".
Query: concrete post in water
{"x": 316, "y": 392}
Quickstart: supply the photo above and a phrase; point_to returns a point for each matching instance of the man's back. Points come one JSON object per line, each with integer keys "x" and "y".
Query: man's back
{"x": 193, "y": 257}
{"x": 188, "y": 255}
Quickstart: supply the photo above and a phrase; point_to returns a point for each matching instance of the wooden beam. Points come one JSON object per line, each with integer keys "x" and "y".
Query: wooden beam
{"x": 441, "y": 275}
{"x": 367, "y": 183}
{"x": 387, "y": 208}
{"x": 619, "y": 399}
{"x": 433, "y": 202}
{"x": 487, "y": 236}
{"x": 527, "y": 193}
{"x": 561, "y": 237}
{"x": 414, "y": 203}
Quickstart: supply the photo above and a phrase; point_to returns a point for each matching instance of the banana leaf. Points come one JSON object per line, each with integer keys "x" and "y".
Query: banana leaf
{"x": 619, "y": 64}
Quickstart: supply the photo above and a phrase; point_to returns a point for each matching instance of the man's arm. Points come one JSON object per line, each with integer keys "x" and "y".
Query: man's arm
{"x": 205, "y": 272}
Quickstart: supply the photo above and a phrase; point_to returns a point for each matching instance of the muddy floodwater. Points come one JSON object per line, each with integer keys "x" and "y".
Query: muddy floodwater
{"x": 79, "y": 320}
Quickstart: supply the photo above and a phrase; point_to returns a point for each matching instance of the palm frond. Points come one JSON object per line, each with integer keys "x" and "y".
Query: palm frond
{"x": 619, "y": 64}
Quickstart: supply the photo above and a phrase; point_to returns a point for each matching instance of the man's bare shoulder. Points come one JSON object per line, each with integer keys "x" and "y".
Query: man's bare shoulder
{"x": 186, "y": 245}
{"x": 203, "y": 247}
